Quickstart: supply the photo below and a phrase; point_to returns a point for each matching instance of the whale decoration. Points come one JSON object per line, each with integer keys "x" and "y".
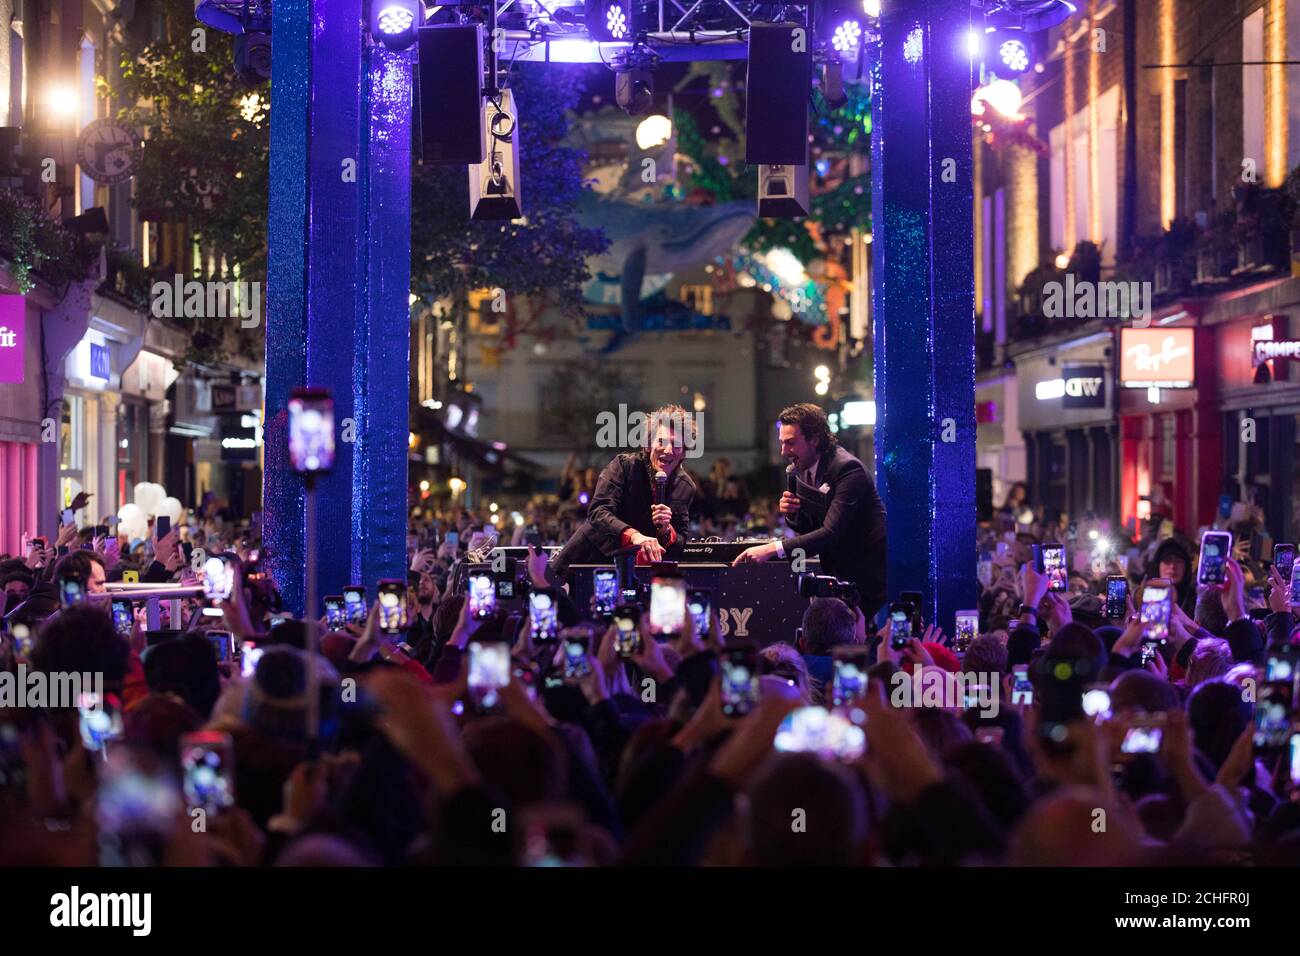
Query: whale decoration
{"x": 650, "y": 241}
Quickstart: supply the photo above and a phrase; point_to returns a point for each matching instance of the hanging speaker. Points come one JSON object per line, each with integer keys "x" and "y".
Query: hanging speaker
{"x": 494, "y": 183}
{"x": 776, "y": 94}
{"x": 451, "y": 95}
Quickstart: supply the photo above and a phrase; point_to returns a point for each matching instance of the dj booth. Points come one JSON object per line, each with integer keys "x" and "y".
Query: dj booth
{"x": 757, "y": 602}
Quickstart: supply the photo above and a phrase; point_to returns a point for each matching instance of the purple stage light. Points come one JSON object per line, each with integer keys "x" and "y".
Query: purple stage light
{"x": 1015, "y": 55}
{"x": 616, "y": 21}
{"x": 393, "y": 20}
{"x": 846, "y": 36}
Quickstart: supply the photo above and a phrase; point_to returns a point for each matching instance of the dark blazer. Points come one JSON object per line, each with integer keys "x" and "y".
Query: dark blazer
{"x": 850, "y": 538}
{"x": 624, "y": 494}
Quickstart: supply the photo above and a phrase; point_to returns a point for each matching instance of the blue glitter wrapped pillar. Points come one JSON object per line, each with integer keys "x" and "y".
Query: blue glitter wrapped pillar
{"x": 330, "y": 301}
{"x": 382, "y": 371}
{"x": 923, "y": 300}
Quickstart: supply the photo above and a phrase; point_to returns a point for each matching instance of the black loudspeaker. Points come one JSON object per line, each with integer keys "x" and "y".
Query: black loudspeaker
{"x": 451, "y": 95}
{"x": 983, "y": 494}
{"x": 776, "y": 94}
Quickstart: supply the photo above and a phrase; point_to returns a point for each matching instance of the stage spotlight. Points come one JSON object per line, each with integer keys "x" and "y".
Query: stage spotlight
{"x": 871, "y": 8}
{"x": 1028, "y": 15}
{"x": 653, "y": 131}
{"x": 1014, "y": 54}
{"x": 634, "y": 91}
{"x": 608, "y": 20}
{"x": 253, "y": 57}
{"x": 394, "y": 22}
{"x": 840, "y": 22}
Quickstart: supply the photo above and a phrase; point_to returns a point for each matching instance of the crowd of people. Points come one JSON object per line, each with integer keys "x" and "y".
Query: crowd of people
{"x": 636, "y": 757}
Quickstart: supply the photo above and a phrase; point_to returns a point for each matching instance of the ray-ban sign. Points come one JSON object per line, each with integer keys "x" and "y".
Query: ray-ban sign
{"x": 1165, "y": 358}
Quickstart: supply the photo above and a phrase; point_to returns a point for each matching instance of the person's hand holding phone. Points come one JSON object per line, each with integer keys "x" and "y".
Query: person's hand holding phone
{"x": 859, "y": 627}
{"x": 885, "y": 650}
{"x": 751, "y": 742}
{"x": 367, "y": 644}
{"x": 1033, "y": 586}
{"x": 1176, "y": 754}
{"x": 422, "y": 563}
{"x": 1278, "y": 591}
{"x": 707, "y": 723}
{"x": 915, "y": 654}
{"x": 650, "y": 657}
{"x": 1130, "y": 639}
{"x": 537, "y": 562}
{"x": 168, "y": 550}
{"x": 466, "y": 626}
{"x": 1234, "y": 590}
{"x": 896, "y": 759}
{"x": 420, "y": 725}
{"x": 67, "y": 534}
{"x": 1058, "y": 612}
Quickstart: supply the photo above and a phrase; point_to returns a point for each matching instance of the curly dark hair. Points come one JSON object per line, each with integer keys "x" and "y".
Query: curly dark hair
{"x": 811, "y": 421}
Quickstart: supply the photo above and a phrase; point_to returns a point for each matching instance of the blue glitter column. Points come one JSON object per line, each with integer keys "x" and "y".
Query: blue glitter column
{"x": 923, "y": 300}
{"x": 382, "y": 368}
{"x": 338, "y": 275}
{"x": 286, "y": 295}
{"x": 334, "y": 216}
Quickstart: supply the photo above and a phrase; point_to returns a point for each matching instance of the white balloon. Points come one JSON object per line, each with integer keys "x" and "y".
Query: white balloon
{"x": 132, "y": 522}
{"x": 171, "y": 508}
{"x": 148, "y": 495}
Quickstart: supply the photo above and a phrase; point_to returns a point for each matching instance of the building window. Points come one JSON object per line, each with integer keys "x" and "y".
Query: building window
{"x": 86, "y": 94}
{"x": 1168, "y": 446}
{"x": 16, "y": 90}
{"x": 699, "y": 298}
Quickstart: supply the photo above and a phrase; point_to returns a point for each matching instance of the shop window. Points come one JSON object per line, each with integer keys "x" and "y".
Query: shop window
{"x": 1168, "y": 425}
{"x": 71, "y": 432}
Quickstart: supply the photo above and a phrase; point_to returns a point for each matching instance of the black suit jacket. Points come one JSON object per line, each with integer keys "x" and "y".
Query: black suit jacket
{"x": 624, "y": 494}
{"x": 845, "y": 526}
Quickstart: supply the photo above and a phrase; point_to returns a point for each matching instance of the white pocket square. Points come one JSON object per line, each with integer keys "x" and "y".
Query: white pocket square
{"x": 824, "y": 488}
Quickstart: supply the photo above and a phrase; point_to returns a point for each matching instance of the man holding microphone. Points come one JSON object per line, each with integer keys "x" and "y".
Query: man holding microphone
{"x": 834, "y": 509}
{"x": 642, "y": 499}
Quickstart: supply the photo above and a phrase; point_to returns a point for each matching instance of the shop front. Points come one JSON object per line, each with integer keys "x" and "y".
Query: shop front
{"x": 1171, "y": 440}
{"x": 1067, "y": 416}
{"x": 999, "y": 447}
{"x": 92, "y": 396}
{"x": 1257, "y": 361}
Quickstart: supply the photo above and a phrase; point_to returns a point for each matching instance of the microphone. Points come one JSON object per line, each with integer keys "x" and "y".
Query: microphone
{"x": 791, "y": 479}
{"x": 661, "y": 484}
